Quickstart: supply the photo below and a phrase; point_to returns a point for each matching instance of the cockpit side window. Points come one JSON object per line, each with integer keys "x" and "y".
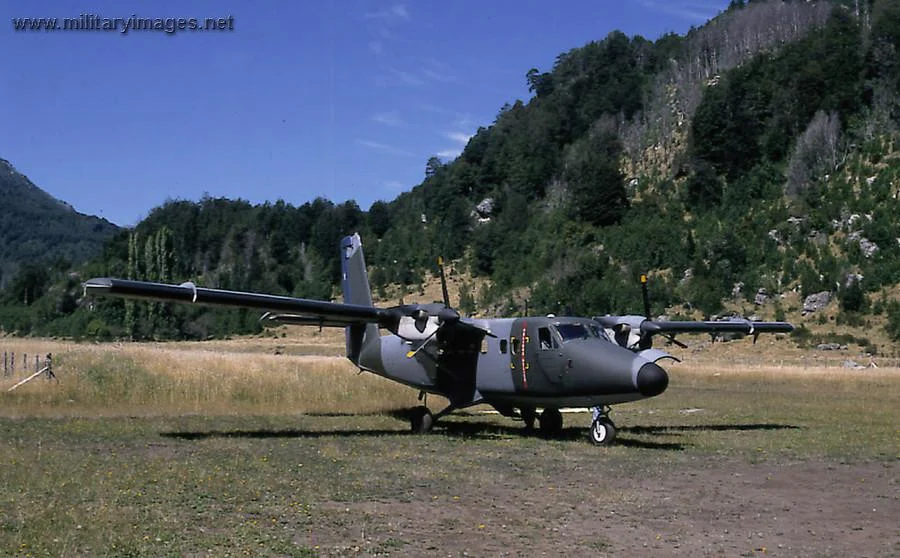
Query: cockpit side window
{"x": 598, "y": 331}
{"x": 546, "y": 339}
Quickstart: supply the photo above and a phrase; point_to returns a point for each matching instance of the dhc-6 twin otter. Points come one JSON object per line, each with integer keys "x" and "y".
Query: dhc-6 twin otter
{"x": 516, "y": 365}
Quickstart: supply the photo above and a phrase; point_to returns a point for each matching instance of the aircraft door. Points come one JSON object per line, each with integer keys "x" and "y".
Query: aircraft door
{"x": 549, "y": 355}
{"x": 536, "y": 361}
{"x": 519, "y": 357}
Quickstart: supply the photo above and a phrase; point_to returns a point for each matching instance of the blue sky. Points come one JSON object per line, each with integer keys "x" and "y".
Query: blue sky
{"x": 343, "y": 99}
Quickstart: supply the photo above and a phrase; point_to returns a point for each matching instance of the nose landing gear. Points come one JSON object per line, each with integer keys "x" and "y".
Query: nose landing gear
{"x": 602, "y": 431}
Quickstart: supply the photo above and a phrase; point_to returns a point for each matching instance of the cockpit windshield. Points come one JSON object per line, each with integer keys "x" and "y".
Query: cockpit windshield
{"x": 568, "y": 332}
{"x": 572, "y": 331}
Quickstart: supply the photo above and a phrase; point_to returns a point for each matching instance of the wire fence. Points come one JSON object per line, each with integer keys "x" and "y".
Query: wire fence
{"x": 22, "y": 363}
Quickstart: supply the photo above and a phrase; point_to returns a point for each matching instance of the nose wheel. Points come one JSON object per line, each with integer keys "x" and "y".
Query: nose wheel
{"x": 603, "y": 431}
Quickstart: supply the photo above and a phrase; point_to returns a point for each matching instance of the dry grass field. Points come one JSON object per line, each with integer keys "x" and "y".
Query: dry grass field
{"x": 276, "y": 446}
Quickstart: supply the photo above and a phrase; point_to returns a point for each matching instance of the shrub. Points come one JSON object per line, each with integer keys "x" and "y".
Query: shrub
{"x": 893, "y": 320}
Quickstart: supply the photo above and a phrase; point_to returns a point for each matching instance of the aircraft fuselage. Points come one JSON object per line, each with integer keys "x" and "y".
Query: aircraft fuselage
{"x": 543, "y": 362}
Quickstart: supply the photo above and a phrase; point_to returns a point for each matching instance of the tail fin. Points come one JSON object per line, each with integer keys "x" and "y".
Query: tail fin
{"x": 355, "y": 284}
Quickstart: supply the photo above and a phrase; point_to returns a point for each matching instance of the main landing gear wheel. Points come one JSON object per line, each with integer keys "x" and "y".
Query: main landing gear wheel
{"x": 602, "y": 432}
{"x": 528, "y": 415}
{"x": 421, "y": 420}
{"x": 551, "y": 422}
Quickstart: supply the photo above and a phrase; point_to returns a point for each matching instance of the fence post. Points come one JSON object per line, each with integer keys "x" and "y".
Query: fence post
{"x": 37, "y": 363}
{"x": 25, "y": 362}
{"x": 5, "y": 369}
{"x": 48, "y": 365}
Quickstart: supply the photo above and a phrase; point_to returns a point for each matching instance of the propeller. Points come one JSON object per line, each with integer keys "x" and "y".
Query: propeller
{"x": 646, "y": 340}
{"x": 440, "y": 262}
{"x": 445, "y": 314}
{"x": 645, "y": 295}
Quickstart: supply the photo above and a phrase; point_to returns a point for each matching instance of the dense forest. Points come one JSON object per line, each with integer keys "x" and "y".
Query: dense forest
{"x": 759, "y": 151}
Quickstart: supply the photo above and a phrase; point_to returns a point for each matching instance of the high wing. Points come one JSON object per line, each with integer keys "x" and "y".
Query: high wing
{"x": 636, "y": 332}
{"x": 279, "y": 308}
{"x": 734, "y": 326}
{"x": 414, "y": 322}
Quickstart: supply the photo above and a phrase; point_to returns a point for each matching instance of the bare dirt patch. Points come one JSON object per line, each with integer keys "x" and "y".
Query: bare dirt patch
{"x": 708, "y": 508}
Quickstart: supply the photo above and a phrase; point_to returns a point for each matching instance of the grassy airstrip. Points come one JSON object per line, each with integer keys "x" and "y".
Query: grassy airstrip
{"x": 227, "y": 449}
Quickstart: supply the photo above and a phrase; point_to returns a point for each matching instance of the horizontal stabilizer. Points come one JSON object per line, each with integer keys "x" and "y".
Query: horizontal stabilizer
{"x": 271, "y": 318}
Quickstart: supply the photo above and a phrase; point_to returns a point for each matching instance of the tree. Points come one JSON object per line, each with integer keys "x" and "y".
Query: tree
{"x": 893, "y": 320}
{"x": 852, "y": 297}
{"x": 29, "y": 284}
{"x": 816, "y": 153}
{"x": 379, "y": 217}
{"x": 432, "y": 166}
{"x": 349, "y": 217}
{"x": 596, "y": 185}
{"x": 703, "y": 186}
{"x": 538, "y": 83}
{"x": 132, "y": 273}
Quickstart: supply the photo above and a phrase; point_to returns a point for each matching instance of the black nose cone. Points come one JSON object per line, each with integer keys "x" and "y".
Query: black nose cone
{"x": 652, "y": 380}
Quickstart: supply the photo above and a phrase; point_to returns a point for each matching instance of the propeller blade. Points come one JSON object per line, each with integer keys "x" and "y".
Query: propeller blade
{"x": 413, "y": 353}
{"x": 440, "y": 262}
{"x": 646, "y": 295}
{"x": 672, "y": 339}
{"x": 421, "y": 320}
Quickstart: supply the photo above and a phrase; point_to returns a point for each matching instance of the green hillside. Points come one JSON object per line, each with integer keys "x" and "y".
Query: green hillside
{"x": 757, "y": 152}
{"x": 37, "y": 230}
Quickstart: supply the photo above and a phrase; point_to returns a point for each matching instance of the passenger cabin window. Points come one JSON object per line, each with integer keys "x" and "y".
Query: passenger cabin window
{"x": 503, "y": 344}
{"x": 484, "y": 345}
{"x": 546, "y": 339}
{"x": 514, "y": 345}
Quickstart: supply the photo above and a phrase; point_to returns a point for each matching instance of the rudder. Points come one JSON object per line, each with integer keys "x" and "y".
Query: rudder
{"x": 355, "y": 286}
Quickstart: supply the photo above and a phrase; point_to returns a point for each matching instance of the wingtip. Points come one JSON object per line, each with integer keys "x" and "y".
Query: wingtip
{"x": 104, "y": 282}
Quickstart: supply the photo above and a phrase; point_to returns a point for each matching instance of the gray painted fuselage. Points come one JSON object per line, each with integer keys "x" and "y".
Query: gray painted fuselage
{"x": 525, "y": 363}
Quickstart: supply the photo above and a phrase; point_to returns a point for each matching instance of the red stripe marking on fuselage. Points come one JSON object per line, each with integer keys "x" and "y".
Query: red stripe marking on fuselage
{"x": 524, "y": 364}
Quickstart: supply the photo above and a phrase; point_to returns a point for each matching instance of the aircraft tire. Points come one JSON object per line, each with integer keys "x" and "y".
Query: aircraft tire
{"x": 421, "y": 420}
{"x": 602, "y": 432}
{"x": 551, "y": 422}
{"x": 528, "y": 415}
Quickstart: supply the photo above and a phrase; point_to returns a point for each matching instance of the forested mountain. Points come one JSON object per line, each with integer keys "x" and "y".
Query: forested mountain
{"x": 37, "y": 230}
{"x": 756, "y": 152}
{"x": 738, "y": 153}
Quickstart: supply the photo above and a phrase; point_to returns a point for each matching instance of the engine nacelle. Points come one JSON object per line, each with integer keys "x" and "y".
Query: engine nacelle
{"x": 417, "y": 329}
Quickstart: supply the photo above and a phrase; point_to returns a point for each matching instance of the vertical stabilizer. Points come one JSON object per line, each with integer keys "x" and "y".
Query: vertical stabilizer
{"x": 355, "y": 285}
